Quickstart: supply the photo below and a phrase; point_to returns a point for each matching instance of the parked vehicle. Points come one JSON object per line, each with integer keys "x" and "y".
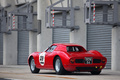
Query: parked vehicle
{"x": 67, "y": 57}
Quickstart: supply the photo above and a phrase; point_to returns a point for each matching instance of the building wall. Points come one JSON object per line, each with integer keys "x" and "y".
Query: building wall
{"x": 33, "y": 35}
{"x": 19, "y": 2}
{"x": 10, "y": 49}
{"x": 3, "y": 3}
{"x": 116, "y": 48}
{"x": 44, "y": 39}
{"x": 79, "y": 21}
{"x": 79, "y": 36}
{"x": 64, "y": 3}
{"x": 32, "y": 42}
{"x": 10, "y": 54}
{"x": 10, "y": 41}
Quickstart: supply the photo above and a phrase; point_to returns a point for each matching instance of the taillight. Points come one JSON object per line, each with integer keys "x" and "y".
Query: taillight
{"x": 104, "y": 60}
{"x": 72, "y": 61}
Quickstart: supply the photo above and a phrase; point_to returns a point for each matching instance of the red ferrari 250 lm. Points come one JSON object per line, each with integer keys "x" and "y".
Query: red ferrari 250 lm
{"x": 67, "y": 57}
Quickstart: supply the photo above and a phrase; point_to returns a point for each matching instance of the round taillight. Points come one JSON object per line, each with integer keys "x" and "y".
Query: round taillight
{"x": 103, "y": 60}
{"x": 72, "y": 61}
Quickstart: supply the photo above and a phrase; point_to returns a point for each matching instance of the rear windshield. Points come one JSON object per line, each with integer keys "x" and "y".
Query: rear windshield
{"x": 75, "y": 49}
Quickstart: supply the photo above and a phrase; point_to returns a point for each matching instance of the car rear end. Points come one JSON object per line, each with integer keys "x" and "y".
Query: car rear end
{"x": 81, "y": 60}
{"x": 88, "y": 63}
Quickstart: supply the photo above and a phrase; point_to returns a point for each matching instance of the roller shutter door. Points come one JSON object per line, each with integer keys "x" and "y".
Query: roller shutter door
{"x": 99, "y": 37}
{"x": 23, "y": 42}
{"x": 23, "y": 47}
{"x": 1, "y": 48}
{"x": 61, "y": 35}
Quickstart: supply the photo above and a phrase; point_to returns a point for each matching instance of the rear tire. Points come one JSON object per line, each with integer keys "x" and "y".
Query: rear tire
{"x": 33, "y": 67}
{"x": 58, "y": 66}
{"x": 95, "y": 72}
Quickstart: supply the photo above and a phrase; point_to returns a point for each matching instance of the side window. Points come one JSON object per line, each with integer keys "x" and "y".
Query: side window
{"x": 51, "y": 49}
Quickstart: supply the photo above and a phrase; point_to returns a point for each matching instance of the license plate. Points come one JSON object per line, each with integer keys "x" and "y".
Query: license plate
{"x": 88, "y": 60}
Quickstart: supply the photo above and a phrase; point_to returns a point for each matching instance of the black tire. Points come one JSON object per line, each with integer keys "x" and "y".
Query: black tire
{"x": 95, "y": 72}
{"x": 59, "y": 69}
{"x": 68, "y": 72}
{"x": 33, "y": 67}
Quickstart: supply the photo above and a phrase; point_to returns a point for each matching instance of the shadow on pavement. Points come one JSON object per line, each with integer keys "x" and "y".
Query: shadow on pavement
{"x": 73, "y": 73}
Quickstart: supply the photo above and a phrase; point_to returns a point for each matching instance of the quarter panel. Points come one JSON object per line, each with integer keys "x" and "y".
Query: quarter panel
{"x": 64, "y": 56}
{"x": 35, "y": 55}
{"x": 96, "y": 52}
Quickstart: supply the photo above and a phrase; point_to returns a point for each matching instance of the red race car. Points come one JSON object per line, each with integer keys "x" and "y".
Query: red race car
{"x": 63, "y": 57}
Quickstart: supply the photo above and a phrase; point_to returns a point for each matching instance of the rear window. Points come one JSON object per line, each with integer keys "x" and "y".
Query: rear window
{"x": 75, "y": 49}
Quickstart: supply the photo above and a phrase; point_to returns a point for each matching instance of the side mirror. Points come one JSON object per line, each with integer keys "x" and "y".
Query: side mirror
{"x": 48, "y": 46}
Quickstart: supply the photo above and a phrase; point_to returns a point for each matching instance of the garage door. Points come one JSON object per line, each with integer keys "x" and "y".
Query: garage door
{"x": 23, "y": 42}
{"x": 23, "y": 47}
{"x": 99, "y": 36}
{"x": 61, "y": 35}
{"x": 1, "y": 48}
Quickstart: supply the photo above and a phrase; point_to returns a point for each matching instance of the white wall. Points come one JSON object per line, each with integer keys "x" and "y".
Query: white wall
{"x": 3, "y": 3}
{"x": 32, "y": 42}
{"x": 64, "y": 3}
{"x": 22, "y": 1}
{"x": 10, "y": 42}
{"x": 33, "y": 35}
{"x": 45, "y": 38}
{"x": 17, "y": 2}
{"x": 116, "y": 48}
{"x": 79, "y": 36}
{"x": 10, "y": 48}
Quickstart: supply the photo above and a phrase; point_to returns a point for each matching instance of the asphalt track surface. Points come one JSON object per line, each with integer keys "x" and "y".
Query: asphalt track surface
{"x": 22, "y": 72}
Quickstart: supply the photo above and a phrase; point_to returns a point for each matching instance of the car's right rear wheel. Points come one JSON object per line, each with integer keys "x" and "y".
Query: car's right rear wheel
{"x": 95, "y": 72}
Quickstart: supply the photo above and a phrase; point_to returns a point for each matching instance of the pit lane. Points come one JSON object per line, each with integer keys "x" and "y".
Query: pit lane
{"x": 22, "y": 72}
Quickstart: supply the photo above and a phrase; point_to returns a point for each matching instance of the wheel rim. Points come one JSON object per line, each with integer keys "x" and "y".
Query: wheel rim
{"x": 32, "y": 65}
{"x": 57, "y": 65}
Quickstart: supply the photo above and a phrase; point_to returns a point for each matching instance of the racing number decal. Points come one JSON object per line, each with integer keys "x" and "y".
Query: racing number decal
{"x": 42, "y": 58}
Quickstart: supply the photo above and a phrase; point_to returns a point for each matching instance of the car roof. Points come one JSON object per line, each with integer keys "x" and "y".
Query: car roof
{"x": 66, "y": 44}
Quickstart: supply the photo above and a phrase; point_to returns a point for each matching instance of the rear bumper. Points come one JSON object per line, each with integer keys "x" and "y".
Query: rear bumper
{"x": 84, "y": 67}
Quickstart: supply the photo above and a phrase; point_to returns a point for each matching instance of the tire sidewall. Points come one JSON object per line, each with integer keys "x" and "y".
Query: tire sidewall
{"x": 62, "y": 70}
{"x": 36, "y": 70}
{"x": 30, "y": 65}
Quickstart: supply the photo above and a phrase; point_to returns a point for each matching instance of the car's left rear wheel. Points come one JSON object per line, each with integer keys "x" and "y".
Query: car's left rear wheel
{"x": 33, "y": 67}
{"x": 58, "y": 66}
